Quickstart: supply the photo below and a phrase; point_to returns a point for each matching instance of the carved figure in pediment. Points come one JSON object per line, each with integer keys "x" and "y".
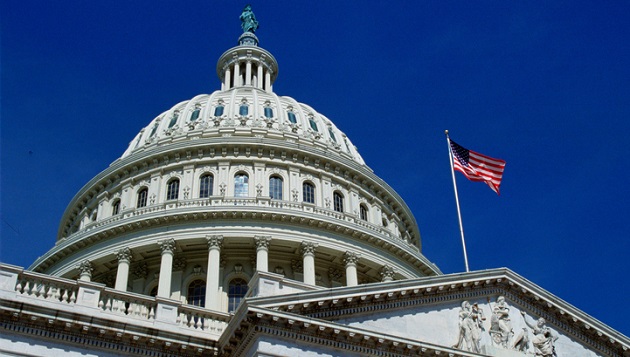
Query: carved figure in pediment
{"x": 470, "y": 326}
{"x": 500, "y": 324}
{"x": 543, "y": 339}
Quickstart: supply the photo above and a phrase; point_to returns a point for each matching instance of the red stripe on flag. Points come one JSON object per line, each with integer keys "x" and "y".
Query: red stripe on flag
{"x": 479, "y": 168}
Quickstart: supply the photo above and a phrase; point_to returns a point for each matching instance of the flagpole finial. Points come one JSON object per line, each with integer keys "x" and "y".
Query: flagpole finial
{"x": 446, "y": 132}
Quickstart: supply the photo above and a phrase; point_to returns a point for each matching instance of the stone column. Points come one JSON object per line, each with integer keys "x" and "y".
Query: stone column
{"x": 267, "y": 82}
{"x": 262, "y": 252}
{"x": 85, "y": 270}
{"x": 227, "y": 78}
{"x": 308, "y": 254}
{"x": 259, "y": 76}
{"x": 122, "y": 275}
{"x": 387, "y": 273}
{"x": 237, "y": 75}
{"x": 179, "y": 265}
{"x": 166, "y": 267}
{"x": 212, "y": 281}
{"x": 351, "y": 259}
{"x": 248, "y": 73}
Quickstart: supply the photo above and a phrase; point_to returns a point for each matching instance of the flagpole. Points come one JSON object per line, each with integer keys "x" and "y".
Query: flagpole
{"x": 459, "y": 215}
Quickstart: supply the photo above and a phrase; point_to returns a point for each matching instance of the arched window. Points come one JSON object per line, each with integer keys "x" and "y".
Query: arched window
{"x": 205, "y": 186}
{"x": 275, "y": 187}
{"x": 154, "y": 130}
{"x": 308, "y": 192}
{"x": 332, "y": 134}
{"x": 236, "y": 292}
{"x": 363, "y": 212}
{"x": 172, "y": 190}
{"x": 173, "y": 120}
{"x": 142, "y": 197}
{"x": 241, "y": 185}
{"x": 292, "y": 117}
{"x": 243, "y": 110}
{"x": 268, "y": 112}
{"x": 195, "y": 114}
{"x": 338, "y": 202}
{"x": 312, "y": 123}
{"x": 197, "y": 293}
{"x": 115, "y": 207}
{"x": 218, "y": 111}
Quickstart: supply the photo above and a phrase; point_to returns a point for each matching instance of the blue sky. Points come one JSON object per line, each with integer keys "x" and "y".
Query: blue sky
{"x": 544, "y": 86}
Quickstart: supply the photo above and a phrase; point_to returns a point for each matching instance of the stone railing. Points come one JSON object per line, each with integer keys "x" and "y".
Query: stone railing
{"x": 48, "y": 293}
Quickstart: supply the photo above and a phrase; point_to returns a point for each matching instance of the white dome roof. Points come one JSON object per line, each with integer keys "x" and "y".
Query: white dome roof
{"x": 242, "y": 111}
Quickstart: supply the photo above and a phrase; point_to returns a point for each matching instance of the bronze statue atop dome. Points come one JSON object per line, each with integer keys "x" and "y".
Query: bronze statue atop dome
{"x": 248, "y": 20}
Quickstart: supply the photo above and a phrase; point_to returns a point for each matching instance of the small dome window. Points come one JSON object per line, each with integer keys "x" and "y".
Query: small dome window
{"x": 218, "y": 110}
{"x": 116, "y": 207}
{"x": 332, "y": 134}
{"x": 275, "y": 187}
{"x": 142, "y": 197}
{"x": 312, "y": 122}
{"x": 241, "y": 185}
{"x": 205, "y": 186}
{"x": 338, "y": 202}
{"x": 363, "y": 212}
{"x": 308, "y": 192}
{"x": 173, "y": 119}
{"x": 154, "y": 130}
{"x": 172, "y": 190}
{"x": 243, "y": 109}
{"x": 292, "y": 117}
{"x": 195, "y": 114}
{"x": 268, "y": 112}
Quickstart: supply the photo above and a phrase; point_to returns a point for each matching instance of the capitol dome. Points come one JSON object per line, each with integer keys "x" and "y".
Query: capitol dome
{"x": 233, "y": 182}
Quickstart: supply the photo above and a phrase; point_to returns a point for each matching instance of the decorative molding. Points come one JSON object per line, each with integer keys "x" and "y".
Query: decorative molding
{"x": 167, "y": 245}
{"x": 351, "y": 258}
{"x": 124, "y": 255}
{"x": 139, "y": 270}
{"x": 214, "y": 241}
{"x": 262, "y": 242}
{"x": 308, "y": 248}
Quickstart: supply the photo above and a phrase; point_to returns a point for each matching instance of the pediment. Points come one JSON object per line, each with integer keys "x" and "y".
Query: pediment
{"x": 461, "y": 312}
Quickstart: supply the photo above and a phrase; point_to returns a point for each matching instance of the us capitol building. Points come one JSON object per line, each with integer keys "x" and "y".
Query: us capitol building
{"x": 243, "y": 223}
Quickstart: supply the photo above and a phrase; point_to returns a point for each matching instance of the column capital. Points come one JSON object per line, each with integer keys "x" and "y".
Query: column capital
{"x": 387, "y": 273}
{"x": 179, "y": 264}
{"x": 214, "y": 241}
{"x": 124, "y": 255}
{"x": 351, "y": 258}
{"x": 85, "y": 268}
{"x": 167, "y": 245}
{"x": 262, "y": 242}
{"x": 308, "y": 248}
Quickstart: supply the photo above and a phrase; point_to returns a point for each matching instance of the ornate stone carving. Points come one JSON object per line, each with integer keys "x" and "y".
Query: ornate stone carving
{"x": 85, "y": 268}
{"x": 470, "y": 327}
{"x": 167, "y": 245}
{"x": 179, "y": 264}
{"x": 259, "y": 189}
{"x": 139, "y": 271}
{"x": 351, "y": 258}
{"x": 124, "y": 255}
{"x": 387, "y": 273}
{"x": 334, "y": 274}
{"x": 295, "y": 193}
{"x": 214, "y": 241}
{"x": 262, "y": 242}
{"x": 501, "y": 331}
{"x": 197, "y": 270}
{"x": 222, "y": 187}
{"x": 297, "y": 267}
{"x": 186, "y": 191}
{"x": 238, "y": 268}
{"x": 544, "y": 339}
{"x": 152, "y": 199}
{"x": 308, "y": 248}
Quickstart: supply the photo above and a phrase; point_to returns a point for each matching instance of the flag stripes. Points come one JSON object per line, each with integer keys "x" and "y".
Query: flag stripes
{"x": 477, "y": 167}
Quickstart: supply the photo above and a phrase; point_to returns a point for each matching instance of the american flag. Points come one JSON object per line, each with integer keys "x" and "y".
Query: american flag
{"x": 478, "y": 167}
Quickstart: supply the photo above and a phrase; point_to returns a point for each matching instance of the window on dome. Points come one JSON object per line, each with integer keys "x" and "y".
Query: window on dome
{"x": 363, "y": 212}
{"x": 332, "y": 134}
{"x": 172, "y": 190}
{"x": 308, "y": 192}
{"x": 241, "y": 185}
{"x": 338, "y": 202}
{"x": 275, "y": 187}
{"x": 292, "y": 117}
{"x": 195, "y": 114}
{"x": 268, "y": 112}
{"x": 243, "y": 110}
{"x": 142, "y": 197}
{"x": 115, "y": 207}
{"x": 94, "y": 216}
{"x": 173, "y": 120}
{"x": 154, "y": 130}
{"x": 236, "y": 292}
{"x": 218, "y": 111}
{"x": 313, "y": 124}
{"x": 205, "y": 186}
{"x": 197, "y": 293}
